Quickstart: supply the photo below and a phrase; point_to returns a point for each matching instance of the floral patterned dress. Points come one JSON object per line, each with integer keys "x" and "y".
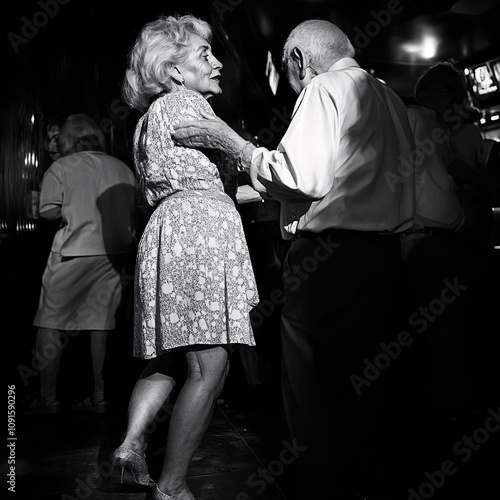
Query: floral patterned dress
{"x": 194, "y": 280}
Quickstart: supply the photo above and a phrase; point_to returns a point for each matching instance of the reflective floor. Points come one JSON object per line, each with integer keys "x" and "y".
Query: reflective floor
{"x": 67, "y": 456}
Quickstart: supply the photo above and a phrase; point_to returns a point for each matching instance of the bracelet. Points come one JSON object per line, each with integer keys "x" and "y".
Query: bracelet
{"x": 240, "y": 157}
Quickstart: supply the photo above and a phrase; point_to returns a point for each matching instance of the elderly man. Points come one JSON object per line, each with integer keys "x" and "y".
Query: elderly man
{"x": 334, "y": 173}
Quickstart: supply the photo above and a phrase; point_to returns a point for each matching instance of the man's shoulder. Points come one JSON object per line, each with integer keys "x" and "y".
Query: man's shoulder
{"x": 330, "y": 82}
{"x": 344, "y": 76}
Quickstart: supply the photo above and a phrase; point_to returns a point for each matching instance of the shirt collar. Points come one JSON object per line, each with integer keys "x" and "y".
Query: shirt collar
{"x": 343, "y": 63}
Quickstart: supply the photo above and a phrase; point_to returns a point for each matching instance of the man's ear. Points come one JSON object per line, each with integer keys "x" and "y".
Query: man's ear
{"x": 300, "y": 57}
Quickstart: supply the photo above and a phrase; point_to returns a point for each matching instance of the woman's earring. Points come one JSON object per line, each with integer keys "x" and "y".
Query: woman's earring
{"x": 177, "y": 76}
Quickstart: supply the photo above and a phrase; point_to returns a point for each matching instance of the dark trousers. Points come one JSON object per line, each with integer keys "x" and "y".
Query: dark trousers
{"x": 339, "y": 288}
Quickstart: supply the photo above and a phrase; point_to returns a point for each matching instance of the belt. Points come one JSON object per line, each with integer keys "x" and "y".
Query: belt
{"x": 344, "y": 233}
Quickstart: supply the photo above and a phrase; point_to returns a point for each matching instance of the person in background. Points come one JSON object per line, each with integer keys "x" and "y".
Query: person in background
{"x": 53, "y": 131}
{"x": 96, "y": 198}
{"x": 46, "y": 229}
{"x": 449, "y": 250}
{"x": 194, "y": 282}
{"x": 475, "y": 161}
{"x": 475, "y": 167}
{"x": 332, "y": 174}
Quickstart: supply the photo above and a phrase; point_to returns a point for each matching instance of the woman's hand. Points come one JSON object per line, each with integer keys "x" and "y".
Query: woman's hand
{"x": 211, "y": 133}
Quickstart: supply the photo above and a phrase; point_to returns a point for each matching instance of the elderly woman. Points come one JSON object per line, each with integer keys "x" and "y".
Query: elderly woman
{"x": 194, "y": 282}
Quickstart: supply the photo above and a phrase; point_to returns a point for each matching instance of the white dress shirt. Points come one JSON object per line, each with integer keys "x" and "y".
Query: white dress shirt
{"x": 333, "y": 167}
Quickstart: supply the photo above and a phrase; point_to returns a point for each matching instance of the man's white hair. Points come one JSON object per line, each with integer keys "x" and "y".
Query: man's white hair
{"x": 321, "y": 40}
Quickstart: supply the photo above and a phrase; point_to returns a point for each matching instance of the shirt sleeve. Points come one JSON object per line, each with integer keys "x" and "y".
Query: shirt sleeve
{"x": 52, "y": 193}
{"x": 303, "y": 166}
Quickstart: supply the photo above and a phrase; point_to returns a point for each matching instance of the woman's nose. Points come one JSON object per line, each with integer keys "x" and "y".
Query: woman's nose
{"x": 216, "y": 64}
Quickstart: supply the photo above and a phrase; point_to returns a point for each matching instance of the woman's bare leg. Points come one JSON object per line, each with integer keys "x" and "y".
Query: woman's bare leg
{"x": 98, "y": 343}
{"x": 207, "y": 370}
{"x": 49, "y": 351}
{"x": 148, "y": 396}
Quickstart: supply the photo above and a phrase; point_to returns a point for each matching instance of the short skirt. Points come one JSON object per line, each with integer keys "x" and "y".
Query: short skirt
{"x": 80, "y": 293}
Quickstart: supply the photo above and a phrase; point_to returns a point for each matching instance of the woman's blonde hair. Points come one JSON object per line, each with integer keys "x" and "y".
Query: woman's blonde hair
{"x": 80, "y": 133}
{"x": 160, "y": 45}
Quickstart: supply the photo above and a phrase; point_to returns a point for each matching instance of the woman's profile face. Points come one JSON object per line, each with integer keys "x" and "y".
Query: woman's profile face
{"x": 201, "y": 70}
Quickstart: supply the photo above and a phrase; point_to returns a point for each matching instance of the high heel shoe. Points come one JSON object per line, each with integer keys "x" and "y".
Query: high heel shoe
{"x": 157, "y": 494}
{"x": 131, "y": 460}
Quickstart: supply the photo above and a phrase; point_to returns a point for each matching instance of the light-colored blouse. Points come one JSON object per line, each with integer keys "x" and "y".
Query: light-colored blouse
{"x": 97, "y": 195}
